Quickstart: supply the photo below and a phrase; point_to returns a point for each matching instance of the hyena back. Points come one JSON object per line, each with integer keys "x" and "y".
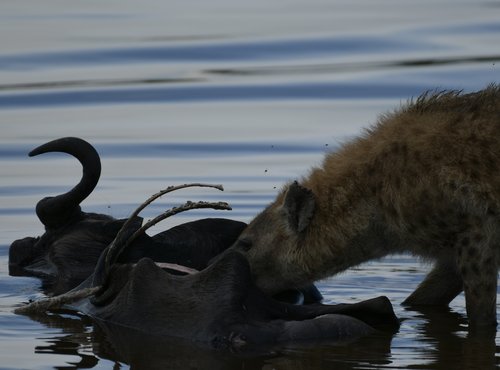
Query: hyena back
{"x": 425, "y": 179}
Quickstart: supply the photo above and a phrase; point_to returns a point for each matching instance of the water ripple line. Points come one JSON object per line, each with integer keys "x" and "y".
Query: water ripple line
{"x": 189, "y": 94}
{"x": 212, "y": 51}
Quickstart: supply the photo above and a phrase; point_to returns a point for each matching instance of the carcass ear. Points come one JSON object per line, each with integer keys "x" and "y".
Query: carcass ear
{"x": 299, "y": 206}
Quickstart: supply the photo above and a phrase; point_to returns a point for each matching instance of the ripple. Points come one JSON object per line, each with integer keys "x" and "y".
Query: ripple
{"x": 88, "y": 83}
{"x": 260, "y": 70}
{"x": 164, "y": 150}
{"x": 211, "y": 52}
{"x": 226, "y": 93}
{"x": 330, "y": 68}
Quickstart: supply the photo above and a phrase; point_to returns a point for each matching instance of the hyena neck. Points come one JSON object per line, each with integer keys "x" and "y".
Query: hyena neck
{"x": 340, "y": 249}
{"x": 348, "y": 227}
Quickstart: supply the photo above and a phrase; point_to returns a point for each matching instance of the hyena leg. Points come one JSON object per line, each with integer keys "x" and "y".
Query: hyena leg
{"x": 477, "y": 261}
{"x": 439, "y": 287}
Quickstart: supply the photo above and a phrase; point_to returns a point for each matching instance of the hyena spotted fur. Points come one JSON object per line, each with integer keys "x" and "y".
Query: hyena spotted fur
{"x": 424, "y": 179}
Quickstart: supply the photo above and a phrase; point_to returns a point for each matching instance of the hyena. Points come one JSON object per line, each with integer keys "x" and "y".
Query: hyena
{"x": 424, "y": 179}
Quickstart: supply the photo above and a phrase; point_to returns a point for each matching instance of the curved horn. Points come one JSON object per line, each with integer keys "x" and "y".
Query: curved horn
{"x": 56, "y": 211}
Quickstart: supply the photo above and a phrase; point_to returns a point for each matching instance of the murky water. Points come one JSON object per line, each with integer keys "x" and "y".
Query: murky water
{"x": 247, "y": 94}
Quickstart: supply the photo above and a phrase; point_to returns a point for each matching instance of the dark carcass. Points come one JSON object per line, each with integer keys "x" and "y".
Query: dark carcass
{"x": 128, "y": 285}
{"x": 66, "y": 254}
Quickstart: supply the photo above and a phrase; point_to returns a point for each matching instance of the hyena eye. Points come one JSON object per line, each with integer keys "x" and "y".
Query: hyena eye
{"x": 244, "y": 244}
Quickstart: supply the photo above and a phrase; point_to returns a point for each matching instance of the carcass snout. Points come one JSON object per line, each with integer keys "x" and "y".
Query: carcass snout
{"x": 22, "y": 253}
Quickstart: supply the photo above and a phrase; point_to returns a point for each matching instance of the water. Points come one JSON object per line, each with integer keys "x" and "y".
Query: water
{"x": 247, "y": 94}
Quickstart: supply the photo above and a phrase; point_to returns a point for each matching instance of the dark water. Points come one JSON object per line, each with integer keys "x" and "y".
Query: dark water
{"x": 249, "y": 95}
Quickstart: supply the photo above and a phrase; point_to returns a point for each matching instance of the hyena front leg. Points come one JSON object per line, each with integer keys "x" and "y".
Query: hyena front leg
{"x": 440, "y": 286}
{"x": 477, "y": 261}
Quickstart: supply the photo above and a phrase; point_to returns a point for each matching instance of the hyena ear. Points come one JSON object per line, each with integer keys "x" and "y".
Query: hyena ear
{"x": 299, "y": 206}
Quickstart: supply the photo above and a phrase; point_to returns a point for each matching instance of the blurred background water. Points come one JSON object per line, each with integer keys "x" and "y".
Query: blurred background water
{"x": 247, "y": 94}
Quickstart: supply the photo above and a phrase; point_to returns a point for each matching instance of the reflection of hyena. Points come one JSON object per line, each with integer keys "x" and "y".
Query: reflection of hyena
{"x": 425, "y": 179}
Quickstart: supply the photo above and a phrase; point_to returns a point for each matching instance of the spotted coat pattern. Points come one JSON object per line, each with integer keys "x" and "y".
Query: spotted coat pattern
{"x": 424, "y": 179}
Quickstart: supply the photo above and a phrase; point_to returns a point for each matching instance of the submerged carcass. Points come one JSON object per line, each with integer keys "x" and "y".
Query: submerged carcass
{"x": 219, "y": 306}
{"x": 165, "y": 285}
{"x": 66, "y": 254}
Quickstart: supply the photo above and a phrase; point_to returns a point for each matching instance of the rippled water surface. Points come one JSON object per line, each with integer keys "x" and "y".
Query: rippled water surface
{"x": 247, "y": 94}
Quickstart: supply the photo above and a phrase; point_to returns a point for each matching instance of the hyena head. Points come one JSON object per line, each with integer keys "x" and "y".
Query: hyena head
{"x": 273, "y": 241}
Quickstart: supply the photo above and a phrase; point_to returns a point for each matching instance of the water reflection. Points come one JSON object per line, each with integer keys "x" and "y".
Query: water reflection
{"x": 450, "y": 345}
{"x": 73, "y": 341}
{"x": 143, "y": 351}
{"x": 445, "y": 344}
